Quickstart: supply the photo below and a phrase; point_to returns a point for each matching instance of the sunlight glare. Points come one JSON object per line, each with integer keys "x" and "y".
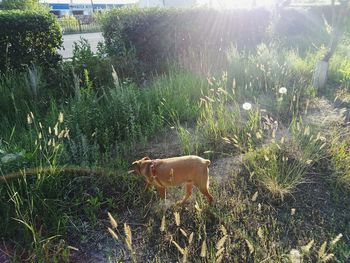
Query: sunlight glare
{"x": 238, "y": 4}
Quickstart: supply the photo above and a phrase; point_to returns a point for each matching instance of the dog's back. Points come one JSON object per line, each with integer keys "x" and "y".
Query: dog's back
{"x": 189, "y": 168}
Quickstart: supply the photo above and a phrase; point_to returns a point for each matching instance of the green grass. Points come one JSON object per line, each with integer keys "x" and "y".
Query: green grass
{"x": 286, "y": 196}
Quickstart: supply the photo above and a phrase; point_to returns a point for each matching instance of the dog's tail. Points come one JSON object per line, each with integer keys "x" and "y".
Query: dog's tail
{"x": 207, "y": 162}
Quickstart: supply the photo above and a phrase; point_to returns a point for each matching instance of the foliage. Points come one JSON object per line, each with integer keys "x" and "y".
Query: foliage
{"x": 340, "y": 161}
{"x": 279, "y": 80}
{"x": 98, "y": 65}
{"x": 60, "y": 128}
{"x": 276, "y": 170}
{"x": 155, "y": 35}
{"x": 28, "y": 37}
{"x": 33, "y": 5}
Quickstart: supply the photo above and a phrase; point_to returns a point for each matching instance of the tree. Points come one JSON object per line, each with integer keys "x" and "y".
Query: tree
{"x": 321, "y": 72}
{"x": 23, "y": 5}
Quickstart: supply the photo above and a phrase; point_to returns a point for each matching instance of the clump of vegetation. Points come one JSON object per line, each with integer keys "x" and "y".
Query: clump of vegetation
{"x": 280, "y": 182}
{"x": 339, "y": 154}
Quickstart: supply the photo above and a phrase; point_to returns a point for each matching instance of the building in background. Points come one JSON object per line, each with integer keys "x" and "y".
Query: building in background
{"x": 81, "y": 7}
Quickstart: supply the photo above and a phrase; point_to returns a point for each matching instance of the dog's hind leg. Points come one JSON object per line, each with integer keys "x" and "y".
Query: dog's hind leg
{"x": 203, "y": 187}
{"x": 207, "y": 194}
{"x": 188, "y": 193}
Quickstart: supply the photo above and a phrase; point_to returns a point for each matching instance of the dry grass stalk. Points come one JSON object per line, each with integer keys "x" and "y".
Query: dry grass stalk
{"x": 114, "y": 235}
{"x": 177, "y": 218}
{"x": 203, "y": 249}
{"x": 113, "y": 222}
{"x": 128, "y": 236}
{"x": 162, "y": 225}
{"x": 180, "y": 249}
{"x": 183, "y": 232}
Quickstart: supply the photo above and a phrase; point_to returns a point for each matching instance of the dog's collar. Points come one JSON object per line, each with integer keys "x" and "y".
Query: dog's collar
{"x": 153, "y": 168}
{"x": 154, "y": 172}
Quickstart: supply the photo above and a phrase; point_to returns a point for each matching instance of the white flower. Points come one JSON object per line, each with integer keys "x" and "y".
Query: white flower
{"x": 283, "y": 90}
{"x": 246, "y": 106}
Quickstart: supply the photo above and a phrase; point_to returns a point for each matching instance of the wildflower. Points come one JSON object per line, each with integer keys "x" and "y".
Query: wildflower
{"x": 247, "y": 106}
{"x": 282, "y": 90}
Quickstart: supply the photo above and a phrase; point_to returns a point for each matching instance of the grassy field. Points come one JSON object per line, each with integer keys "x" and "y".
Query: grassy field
{"x": 280, "y": 153}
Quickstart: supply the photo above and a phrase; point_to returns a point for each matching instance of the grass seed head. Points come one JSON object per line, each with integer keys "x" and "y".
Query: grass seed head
{"x": 112, "y": 221}
{"x": 177, "y": 218}
{"x": 203, "y": 249}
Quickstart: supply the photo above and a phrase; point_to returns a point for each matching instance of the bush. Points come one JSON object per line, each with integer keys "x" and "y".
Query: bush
{"x": 142, "y": 40}
{"x": 28, "y": 37}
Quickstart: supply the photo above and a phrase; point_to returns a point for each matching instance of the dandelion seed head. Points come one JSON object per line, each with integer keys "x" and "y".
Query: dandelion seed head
{"x": 247, "y": 106}
{"x": 282, "y": 90}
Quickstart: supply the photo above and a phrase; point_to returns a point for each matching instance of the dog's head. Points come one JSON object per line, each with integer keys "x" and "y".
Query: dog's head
{"x": 139, "y": 166}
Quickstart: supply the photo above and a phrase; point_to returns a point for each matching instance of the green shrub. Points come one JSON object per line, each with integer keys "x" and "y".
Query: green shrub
{"x": 142, "y": 40}
{"x": 23, "y": 5}
{"x": 99, "y": 67}
{"x": 28, "y": 38}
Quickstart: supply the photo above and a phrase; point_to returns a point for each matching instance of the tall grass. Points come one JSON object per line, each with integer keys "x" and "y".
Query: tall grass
{"x": 276, "y": 170}
{"x": 259, "y": 76}
{"x": 222, "y": 124}
{"x": 103, "y": 120}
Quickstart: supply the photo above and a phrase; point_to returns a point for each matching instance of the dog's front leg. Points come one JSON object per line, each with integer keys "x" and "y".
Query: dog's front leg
{"x": 161, "y": 192}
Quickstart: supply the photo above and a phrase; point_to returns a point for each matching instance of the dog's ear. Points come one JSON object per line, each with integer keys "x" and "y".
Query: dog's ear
{"x": 145, "y": 158}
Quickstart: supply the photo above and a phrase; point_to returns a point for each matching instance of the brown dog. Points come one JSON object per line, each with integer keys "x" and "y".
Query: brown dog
{"x": 164, "y": 173}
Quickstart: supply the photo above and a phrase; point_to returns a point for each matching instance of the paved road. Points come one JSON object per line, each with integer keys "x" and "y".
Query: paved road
{"x": 68, "y": 42}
